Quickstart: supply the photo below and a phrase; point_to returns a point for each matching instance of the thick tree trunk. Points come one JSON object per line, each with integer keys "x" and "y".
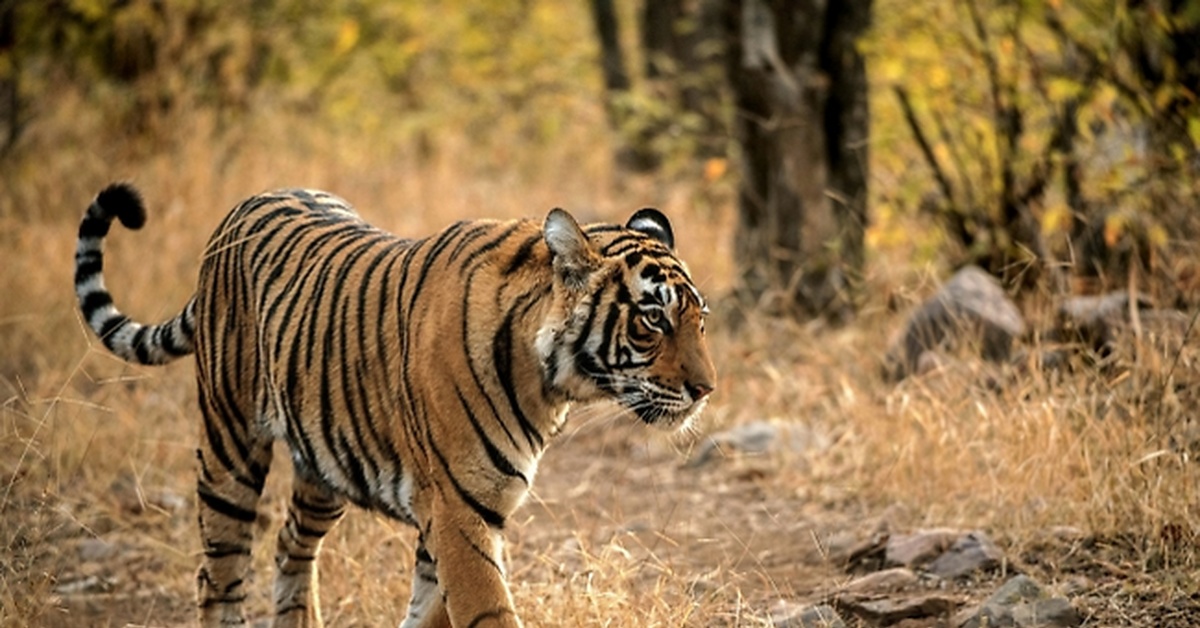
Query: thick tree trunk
{"x": 800, "y": 91}
{"x": 10, "y": 109}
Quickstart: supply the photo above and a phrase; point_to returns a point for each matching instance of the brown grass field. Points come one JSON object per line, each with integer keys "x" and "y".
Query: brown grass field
{"x": 1080, "y": 478}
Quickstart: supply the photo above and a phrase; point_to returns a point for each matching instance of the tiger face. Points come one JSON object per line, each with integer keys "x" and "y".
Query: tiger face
{"x": 631, "y": 324}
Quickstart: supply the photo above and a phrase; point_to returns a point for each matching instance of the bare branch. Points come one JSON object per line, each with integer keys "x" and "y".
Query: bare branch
{"x": 910, "y": 117}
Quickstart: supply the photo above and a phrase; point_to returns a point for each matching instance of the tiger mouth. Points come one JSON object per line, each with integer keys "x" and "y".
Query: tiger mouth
{"x": 665, "y": 415}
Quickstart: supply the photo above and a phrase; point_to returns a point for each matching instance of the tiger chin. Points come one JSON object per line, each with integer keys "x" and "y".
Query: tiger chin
{"x": 420, "y": 378}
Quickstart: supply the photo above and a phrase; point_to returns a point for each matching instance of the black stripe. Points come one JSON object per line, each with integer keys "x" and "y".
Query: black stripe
{"x": 222, "y": 550}
{"x": 94, "y": 301}
{"x": 170, "y": 345}
{"x": 142, "y": 346}
{"x": 523, "y": 254}
{"x": 215, "y": 601}
{"x": 482, "y": 617}
{"x": 92, "y": 227}
{"x": 111, "y": 325}
{"x": 502, "y": 358}
{"x": 225, "y": 507}
{"x": 464, "y": 332}
{"x": 298, "y": 606}
{"x": 499, "y": 460}
{"x": 489, "y": 516}
{"x": 87, "y": 267}
{"x": 620, "y": 242}
{"x": 474, "y": 234}
{"x": 491, "y": 245}
{"x": 482, "y": 553}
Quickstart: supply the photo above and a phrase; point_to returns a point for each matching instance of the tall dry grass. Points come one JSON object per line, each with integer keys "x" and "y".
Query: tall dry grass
{"x": 94, "y": 449}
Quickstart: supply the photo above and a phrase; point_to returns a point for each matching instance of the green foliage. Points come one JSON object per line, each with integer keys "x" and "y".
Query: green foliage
{"x": 1054, "y": 113}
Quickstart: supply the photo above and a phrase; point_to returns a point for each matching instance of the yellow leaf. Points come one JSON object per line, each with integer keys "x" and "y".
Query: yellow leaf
{"x": 1114, "y": 227}
{"x": 1158, "y": 235}
{"x": 347, "y": 37}
{"x": 1061, "y": 89}
{"x": 714, "y": 169}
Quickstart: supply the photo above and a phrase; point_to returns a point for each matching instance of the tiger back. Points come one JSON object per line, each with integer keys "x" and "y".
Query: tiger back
{"x": 419, "y": 378}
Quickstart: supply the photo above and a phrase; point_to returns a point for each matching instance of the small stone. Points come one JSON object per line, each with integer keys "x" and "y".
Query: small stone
{"x": 887, "y": 580}
{"x": 920, "y": 547}
{"x": 1019, "y": 588}
{"x": 84, "y": 585}
{"x": 1047, "y": 613}
{"x": 1020, "y": 602}
{"x": 91, "y": 550}
{"x": 758, "y": 437}
{"x": 792, "y": 616}
{"x": 970, "y": 553}
{"x": 888, "y": 611}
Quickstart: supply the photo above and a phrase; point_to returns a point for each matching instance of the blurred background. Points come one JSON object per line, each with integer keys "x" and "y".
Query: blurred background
{"x": 827, "y": 166}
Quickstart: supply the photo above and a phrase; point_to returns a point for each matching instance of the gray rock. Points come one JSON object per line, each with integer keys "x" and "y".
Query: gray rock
{"x": 94, "y": 550}
{"x": 887, "y": 580}
{"x": 969, "y": 309}
{"x": 822, "y": 616}
{"x": 1019, "y": 588}
{"x": 758, "y": 437}
{"x": 1055, "y": 611}
{"x": 972, "y": 552}
{"x": 890, "y": 610}
{"x": 920, "y": 547}
{"x": 1020, "y": 602}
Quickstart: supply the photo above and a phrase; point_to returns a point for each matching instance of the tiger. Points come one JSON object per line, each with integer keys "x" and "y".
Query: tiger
{"x": 418, "y": 378}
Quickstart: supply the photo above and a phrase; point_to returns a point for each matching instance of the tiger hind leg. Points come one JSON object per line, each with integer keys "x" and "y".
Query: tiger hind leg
{"x": 313, "y": 512}
{"x": 426, "y": 608}
{"x": 228, "y": 502}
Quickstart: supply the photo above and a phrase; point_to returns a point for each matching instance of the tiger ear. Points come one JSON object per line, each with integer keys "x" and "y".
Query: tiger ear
{"x": 653, "y": 223}
{"x": 570, "y": 249}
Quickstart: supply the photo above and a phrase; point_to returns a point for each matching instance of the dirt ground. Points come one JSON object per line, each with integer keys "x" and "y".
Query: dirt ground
{"x": 620, "y": 525}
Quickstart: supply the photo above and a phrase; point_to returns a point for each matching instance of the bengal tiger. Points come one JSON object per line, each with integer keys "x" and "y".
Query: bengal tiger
{"x": 422, "y": 379}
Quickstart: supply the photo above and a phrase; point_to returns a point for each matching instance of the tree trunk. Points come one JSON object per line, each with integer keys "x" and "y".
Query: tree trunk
{"x": 800, "y": 92}
{"x": 10, "y": 110}
{"x": 612, "y": 62}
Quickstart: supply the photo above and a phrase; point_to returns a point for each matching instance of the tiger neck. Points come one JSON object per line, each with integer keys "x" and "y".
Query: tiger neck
{"x": 538, "y": 407}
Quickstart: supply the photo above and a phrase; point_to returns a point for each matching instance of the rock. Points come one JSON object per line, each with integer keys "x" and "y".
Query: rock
{"x": 972, "y": 552}
{"x": 1055, "y": 611}
{"x": 868, "y": 554}
{"x": 85, "y": 585}
{"x": 1091, "y": 321}
{"x": 1020, "y": 602}
{"x": 891, "y": 610}
{"x": 884, "y": 581}
{"x": 791, "y": 616}
{"x": 758, "y": 437}
{"x": 920, "y": 547}
{"x": 1100, "y": 325}
{"x": 1019, "y": 588}
{"x": 93, "y": 550}
{"x": 970, "y": 308}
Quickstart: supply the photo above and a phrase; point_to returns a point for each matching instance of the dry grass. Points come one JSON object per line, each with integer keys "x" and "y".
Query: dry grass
{"x": 96, "y": 518}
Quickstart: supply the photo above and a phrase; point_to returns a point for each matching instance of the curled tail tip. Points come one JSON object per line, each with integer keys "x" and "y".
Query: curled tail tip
{"x": 123, "y": 201}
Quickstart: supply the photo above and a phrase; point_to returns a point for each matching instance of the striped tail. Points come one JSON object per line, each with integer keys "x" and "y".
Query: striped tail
{"x": 131, "y": 341}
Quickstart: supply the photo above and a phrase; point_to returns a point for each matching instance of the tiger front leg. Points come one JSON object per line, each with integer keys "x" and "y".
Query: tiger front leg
{"x": 467, "y": 554}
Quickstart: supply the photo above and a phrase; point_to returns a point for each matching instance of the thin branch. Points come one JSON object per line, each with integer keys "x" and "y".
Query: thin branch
{"x": 914, "y": 125}
{"x": 1097, "y": 63}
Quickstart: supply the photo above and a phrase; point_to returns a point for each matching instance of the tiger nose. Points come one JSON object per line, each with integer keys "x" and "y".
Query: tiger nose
{"x": 698, "y": 390}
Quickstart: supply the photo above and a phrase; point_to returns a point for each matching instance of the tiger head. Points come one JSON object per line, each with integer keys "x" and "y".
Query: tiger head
{"x": 628, "y": 324}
